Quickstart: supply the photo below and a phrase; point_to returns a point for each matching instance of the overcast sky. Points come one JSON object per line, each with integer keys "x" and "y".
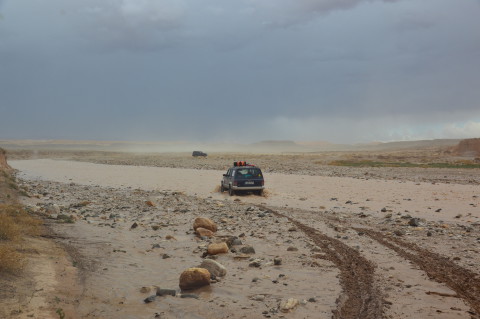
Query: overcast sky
{"x": 344, "y": 71}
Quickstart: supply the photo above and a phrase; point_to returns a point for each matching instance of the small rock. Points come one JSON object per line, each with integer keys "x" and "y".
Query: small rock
{"x": 255, "y": 263}
{"x": 52, "y": 209}
{"x": 144, "y": 290}
{"x": 291, "y": 248}
{"x": 193, "y": 296}
{"x": 217, "y": 248}
{"x": 289, "y": 305}
{"x": 215, "y": 268}
{"x": 415, "y": 222}
{"x": 149, "y": 299}
{"x": 203, "y": 232}
{"x": 258, "y": 298}
{"x": 204, "y": 223}
{"x": 383, "y": 210}
{"x": 277, "y": 261}
{"x": 166, "y": 292}
{"x": 134, "y": 225}
{"x": 150, "y": 203}
{"x": 236, "y": 242}
{"x": 193, "y": 278}
{"x": 399, "y": 232}
{"x": 247, "y": 250}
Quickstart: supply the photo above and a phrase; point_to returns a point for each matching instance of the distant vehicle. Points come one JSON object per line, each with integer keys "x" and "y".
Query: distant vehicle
{"x": 199, "y": 153}
{"x": 242, "y": 177}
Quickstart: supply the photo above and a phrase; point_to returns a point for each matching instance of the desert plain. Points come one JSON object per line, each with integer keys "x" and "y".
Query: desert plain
{"x": 324, "y": 241}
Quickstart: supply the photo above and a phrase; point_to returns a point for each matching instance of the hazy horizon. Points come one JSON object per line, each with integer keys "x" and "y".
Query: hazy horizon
{"x": 346, "y": 72}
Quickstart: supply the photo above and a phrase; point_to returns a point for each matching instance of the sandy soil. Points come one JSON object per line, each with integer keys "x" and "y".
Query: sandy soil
{"x": 350, "y": 247}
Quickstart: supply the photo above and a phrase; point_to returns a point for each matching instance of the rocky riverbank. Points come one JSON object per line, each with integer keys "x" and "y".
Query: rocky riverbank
{"x": 131, "y": 246}
{"x": 129, "y": 243}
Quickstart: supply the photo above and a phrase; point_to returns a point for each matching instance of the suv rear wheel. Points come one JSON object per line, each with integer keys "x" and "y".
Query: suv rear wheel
{"x": 231, "y": 192}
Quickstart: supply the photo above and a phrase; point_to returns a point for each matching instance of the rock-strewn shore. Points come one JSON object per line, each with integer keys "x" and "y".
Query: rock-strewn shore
{"x": 129, "y": 242}
{"x": 131, "y": 247}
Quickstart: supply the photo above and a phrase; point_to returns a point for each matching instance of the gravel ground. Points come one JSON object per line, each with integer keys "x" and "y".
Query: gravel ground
{"x": 391, "y": 246}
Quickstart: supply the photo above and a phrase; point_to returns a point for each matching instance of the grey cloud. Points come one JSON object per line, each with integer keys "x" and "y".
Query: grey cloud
{"x": 414, "y": 21}
{"x": 150, "y": 24}
{"x": 331, "y": 5}
{"x": 131, "y": 24}
{"x": 368, "y": 69}
{"x": 284, "y": 13}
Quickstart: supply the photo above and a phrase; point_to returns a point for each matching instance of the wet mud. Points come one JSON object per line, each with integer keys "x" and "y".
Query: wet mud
{"x": 360, "y": 298}
{"x": 464, "y": 282}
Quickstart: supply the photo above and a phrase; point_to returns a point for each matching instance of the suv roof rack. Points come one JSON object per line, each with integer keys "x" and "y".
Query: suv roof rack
{"x": 241, "y": 163}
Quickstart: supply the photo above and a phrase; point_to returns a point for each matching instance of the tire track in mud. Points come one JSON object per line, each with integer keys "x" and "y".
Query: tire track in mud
{"x": 464, "y": 282}
{"x": 360, "y": 298}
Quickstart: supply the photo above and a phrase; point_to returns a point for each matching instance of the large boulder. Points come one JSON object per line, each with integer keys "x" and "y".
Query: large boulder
{"x": 204, "y": 223}
{"x": 194, "y": 278}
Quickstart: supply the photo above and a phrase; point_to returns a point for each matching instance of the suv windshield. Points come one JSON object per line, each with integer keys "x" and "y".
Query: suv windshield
{"x": 248, "y": 172}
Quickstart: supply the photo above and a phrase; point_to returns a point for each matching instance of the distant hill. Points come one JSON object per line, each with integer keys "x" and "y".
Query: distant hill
{"x": 271, "y": 146}
{"x": 467, "y": 147}
{"x": 277, "y": 146}
{"x": 421, "y": 144}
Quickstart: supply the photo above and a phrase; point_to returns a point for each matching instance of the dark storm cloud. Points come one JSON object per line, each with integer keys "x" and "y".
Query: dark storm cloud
{"x": 340, "y": 70}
